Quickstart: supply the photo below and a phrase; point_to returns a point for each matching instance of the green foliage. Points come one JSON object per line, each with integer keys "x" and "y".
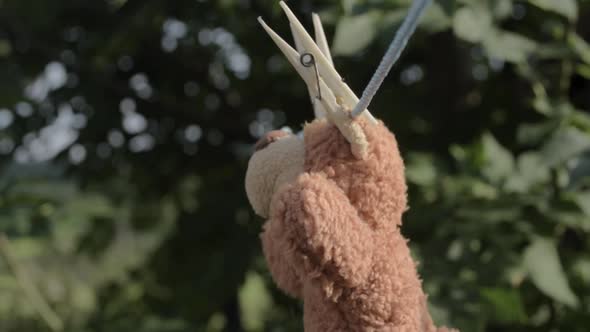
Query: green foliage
{"x": 355, "y": 33}
{"x": 543, "y": 266}
{"x": 568, "y": 8}
{"x": 126, "y": 125}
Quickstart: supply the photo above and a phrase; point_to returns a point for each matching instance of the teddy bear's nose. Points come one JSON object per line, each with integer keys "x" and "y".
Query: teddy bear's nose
{"x": 268, "y": 138}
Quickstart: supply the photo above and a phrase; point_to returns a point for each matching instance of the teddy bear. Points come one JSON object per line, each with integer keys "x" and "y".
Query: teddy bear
{"x": 333, "y": 200}
{"x": 333, "y": 237}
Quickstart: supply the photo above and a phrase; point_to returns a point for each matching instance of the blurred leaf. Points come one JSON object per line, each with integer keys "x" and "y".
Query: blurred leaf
{"x": 580, "y": 120}
{"x": 582, "y": 268}
{"x": 530, "y": 172}
{"x": 349, "y": 5}
{"x": 580, "y": 47}
{"x": 556, "y": 50}
{"x": 567, "y": 8}
{"x": 583, "y": 201}
{"x": 435, "y": 19}
{"x": 499, "y": 161}
{"x": 571, "y": 219}
{"x": 421, "y": 169}
{"x": 73, "y": 219}
{"x": 472, "y": 23}
{"x": 26, "y": 248}
{"x": 255, "y": 302}
{"x": 530, "y": 134}
{"x": 501, "y": 8}
{"x": 564, "y": 144}
{"x": 579, "y": 171}
{"x": 439, "y": 314}
{"x": 508, "y": 46}
{"x": 83, "y": 297}
{"x": 544, "y": 268}
{"x": 355, "y": 33}
{"x": 506, "y": 304}
{"x": 584, "y": 71}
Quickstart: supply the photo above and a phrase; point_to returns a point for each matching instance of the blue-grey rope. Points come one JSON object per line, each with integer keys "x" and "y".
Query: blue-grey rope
{"x": 393, "y": 52}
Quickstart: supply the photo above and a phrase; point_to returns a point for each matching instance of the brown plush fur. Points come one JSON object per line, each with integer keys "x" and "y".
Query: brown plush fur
{"x": 333, "y": 237}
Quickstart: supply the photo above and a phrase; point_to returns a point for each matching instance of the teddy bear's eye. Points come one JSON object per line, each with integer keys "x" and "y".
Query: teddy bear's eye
{"x": 268, "y": 138}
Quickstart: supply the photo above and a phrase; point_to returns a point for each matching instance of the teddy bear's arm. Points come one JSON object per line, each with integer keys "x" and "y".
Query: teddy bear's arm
{"x": 278, "y": 248}
{"x": 326, "y": 229}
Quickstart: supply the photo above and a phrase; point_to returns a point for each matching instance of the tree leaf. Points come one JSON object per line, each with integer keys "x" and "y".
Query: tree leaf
{"x": 421, "y": 169}
{"x": 582, "y": 269}
{"x": 499, "y": 161}
{"x": 501, "y": 8}
{"x": 530, "y": 172}
{"x": 531, "y": 134}
{"x": 579, "y": 171}
{"x": 508, "y": 46}
{"x": 506, "y": 304}
{"x": 255, "y": 301}
{"x": 435, "y": 19}
{"x": 565, "y": 144}
{"x": 472, "y": 23}
{"x": 567, "y": 8}
{"x": 355, "y": 33}
{"x": 582, "y": 199}
{"x": 349, "y": 6}
{"x": 580, "y": 47}
{"x": 542, "y": 263}
{"x": 584, "y": 71}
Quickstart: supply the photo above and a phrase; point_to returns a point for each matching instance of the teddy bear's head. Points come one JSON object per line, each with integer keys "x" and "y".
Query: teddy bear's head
{"x": 374, "y": 185}
{"x": 278, "y": 159}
